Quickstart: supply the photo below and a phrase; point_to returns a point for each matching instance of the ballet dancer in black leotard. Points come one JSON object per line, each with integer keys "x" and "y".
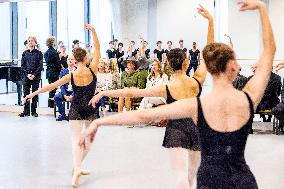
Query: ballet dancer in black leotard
{"x": 224, "y": 115}
{"x": 83, "y": 81}
{"x": 182, "y": 142}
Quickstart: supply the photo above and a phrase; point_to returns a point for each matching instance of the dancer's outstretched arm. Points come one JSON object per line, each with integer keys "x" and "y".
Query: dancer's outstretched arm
{"x": 97, "y": 53}
{"x": 230, "y": 41}
{"x": 180, "y": 109}
{"x": 257, "y": 85}
{"x": 201, "y": 72}
{"x": 156, "y": 91}
{"x": 279, "y": 66}
{"x": 49, "y": 87}
{"x": 142, "y": 48}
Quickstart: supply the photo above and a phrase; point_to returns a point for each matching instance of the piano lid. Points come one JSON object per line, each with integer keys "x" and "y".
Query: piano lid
{"x": 9, "y": 62}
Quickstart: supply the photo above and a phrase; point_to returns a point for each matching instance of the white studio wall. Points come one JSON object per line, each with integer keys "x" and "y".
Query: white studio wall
{"x": 101, "y": 19}
{"x": 244, "y": 28}
{"x": 75, "y": 15}
{"x": 62, "y": 23}
{"x": 130, "y": 19}
{"x": 180, "y": 20}
{"x": 221, "y": 20}
{"x": 276, "y": 8}
{"x": 5, "y": 46}
{"x": 172, "y": 20}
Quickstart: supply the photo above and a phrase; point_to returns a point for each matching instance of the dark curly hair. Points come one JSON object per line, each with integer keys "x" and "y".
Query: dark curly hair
{"x": 79, "y": 54}
{"x": 217, "y": 56}
{"x": 176, "y": 58}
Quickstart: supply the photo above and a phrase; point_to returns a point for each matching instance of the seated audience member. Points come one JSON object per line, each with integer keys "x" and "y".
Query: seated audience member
{"x": 271, "y": 94}
{"x": 115, "y": 84}
{"x": 278, "y": 111}
{"x": 159, "y": 51}
{"x": 143, "y": 64}
{"x": 104, "y": 80}
{"x": 240, "y": 81}
{"x": 120, "y": 56}
{"x": 129, "y": 79}
{"x": 66, "y": 92}
{"x": 111, "y": 52}
{"x": 112, "y": 68}
{"x": 156, "y": 77}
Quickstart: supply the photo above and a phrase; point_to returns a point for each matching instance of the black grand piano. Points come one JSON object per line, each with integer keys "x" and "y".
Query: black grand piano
{"x": 10, "y": 71}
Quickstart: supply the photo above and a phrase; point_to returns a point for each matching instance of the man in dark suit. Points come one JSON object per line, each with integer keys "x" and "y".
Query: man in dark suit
{"x": 271, "y": 95}
{"x": 31, "y": 65}
{"x": 66, "y": 91}
{"x": 53, "y": 67}
{"x": 240, "y": 81}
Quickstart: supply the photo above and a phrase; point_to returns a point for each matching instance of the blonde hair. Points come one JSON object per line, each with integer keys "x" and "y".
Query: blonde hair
{"x": 105, "y": 62}
{"x": 113, "y": 66}
{"x": 152, "y": 74}
{"x": 168, "y": 69}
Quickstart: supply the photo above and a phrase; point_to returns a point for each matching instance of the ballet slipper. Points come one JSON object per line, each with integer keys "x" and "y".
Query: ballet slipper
{"x": 75, "y": 178}
{"x": 85, "y": 172}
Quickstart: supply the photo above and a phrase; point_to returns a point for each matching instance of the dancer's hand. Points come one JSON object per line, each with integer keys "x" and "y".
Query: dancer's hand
{"x": 278, "y": 67}
{"x": 28, "y": 98}
{"x": 89, "y": 27}
{"x": 250, "y": 5}
{"x": 204, "y": 12}
{"x": 96, "y": 99}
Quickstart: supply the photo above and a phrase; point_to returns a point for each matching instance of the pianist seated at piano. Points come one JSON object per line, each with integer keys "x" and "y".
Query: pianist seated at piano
{"x": 31, "y": 65}
{"x": 66, "y": 91}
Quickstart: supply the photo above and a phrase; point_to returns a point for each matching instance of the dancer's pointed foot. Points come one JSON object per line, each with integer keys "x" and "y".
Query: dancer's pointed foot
{"x": 75, "y": 178}
{"x": 85, "y": 172}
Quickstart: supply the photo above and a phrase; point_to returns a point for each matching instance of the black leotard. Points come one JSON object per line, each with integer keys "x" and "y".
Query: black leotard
{"x": 80, "y": 110}
{"x": 183, "y": 132}
{"x": 222, "y": 156}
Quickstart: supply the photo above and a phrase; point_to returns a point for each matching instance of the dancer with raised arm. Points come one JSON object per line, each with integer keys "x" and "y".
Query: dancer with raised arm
{"x": 279, "y": 66}
{"x": 83, "y": 81}
{"x": 181, "y": 136}
{"x": 224, "y": 116}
